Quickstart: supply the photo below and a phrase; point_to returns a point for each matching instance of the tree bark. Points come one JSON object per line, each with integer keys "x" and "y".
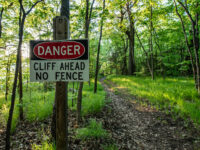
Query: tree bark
{"x": 131, "y": 36}
{"x": 7, "y": 77}
{"x": 151, "y": 42}
{"x": 98, "y": 50}
{"x": 124, "y": 67}
{"x": 21, "y": 28}
{"x": 79, "y": 103}
{"x": 194, "y": 61}
{"x": 145, "y": 52}
{"x": 1, "y": 15}
{"x": 9, "y": 122}
{"x": 87, "y": 25}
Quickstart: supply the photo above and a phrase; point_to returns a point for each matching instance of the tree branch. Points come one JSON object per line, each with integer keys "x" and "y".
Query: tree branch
{"x": 33, "y": 7}
{"x": 186, "y": 10}
{"x": 21, "y": 5}
{"x": 91, "y": 8}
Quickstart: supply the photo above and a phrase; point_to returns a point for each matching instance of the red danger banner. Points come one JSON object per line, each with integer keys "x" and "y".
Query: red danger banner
{"x": 66, "y": 60}
{"x": 59, "y": 50}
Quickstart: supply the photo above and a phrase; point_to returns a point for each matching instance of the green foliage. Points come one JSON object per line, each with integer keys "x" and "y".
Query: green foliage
{"x": 40, "y": 106}
{"x": 92, "y": 130}
{"x": 176, "y": 95}
{"x": 37, "y": 105}
{"x": 91, "y": 103}
{"x": 45, "y": 145}
{"x": 4, "y": 111}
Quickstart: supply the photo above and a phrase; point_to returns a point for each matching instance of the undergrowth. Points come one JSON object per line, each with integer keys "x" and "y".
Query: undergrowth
{"x": 38, "y": 104}
{"x": 177, "y": 96}
{"x": 92, "y": 130}
{"x": 91, "y": 103}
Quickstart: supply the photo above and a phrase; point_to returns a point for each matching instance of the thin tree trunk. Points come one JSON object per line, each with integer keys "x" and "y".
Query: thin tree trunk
{"x": 87, "y": 25}
{"x": 194, "y": 69}
{"x": 124, "y": 67}
{"x": 98, "y": 50}
{"x": 145, "y": 52}
{"x": 7, "y": 77}
{"x": 151, "y": 42}
{"x": 9, "y": 122}
{"x": 79, "y": 103}
{"x": 1, "y": 15}
{"x": 21, "y": 27}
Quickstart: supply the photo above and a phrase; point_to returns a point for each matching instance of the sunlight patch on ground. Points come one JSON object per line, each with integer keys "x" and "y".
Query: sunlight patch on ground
{"x": 121, "y": 87}
{"x": 145, "y": 109}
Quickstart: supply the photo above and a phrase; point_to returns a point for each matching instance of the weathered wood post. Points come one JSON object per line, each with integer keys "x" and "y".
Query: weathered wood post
{"x": 60, "y": 33}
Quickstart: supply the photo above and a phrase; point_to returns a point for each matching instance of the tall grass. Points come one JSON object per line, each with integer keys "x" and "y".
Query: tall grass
{"x": 178, "y": 94}
{"x": 37, "y": 105}
{"x": 91, "y": 103}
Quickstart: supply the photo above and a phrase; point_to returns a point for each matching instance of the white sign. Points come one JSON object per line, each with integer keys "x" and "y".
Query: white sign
{"x": 68, "y": 63}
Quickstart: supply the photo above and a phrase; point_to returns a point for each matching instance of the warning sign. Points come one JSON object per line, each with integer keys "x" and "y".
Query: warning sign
{"x": 59, "y": 60}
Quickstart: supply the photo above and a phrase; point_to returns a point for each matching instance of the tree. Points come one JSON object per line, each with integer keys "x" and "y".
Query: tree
{"x": 99, "y": 47}
{"x": 195, "y": 37}
{"x": 87, "y": 25}
{"x": 22, "y": 21}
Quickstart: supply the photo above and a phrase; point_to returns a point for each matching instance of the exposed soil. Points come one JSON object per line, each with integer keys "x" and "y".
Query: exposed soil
{"x": 131, "y": 125}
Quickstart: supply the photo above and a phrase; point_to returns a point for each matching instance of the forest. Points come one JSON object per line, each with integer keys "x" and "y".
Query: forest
{"x": 140, "y": 88}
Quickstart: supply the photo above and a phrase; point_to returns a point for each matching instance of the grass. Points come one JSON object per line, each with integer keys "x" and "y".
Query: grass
{"x": 178, "y": 94}
{"x": 92, "y": 130}
{"x": 38, "y": 104}
{"x": 44, "y": 146}
{"x": 45, "y": 142}
{"x": 91, "y": 103}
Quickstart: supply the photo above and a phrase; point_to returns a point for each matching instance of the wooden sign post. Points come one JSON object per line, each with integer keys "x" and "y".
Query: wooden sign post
{"x": 60, "y": 60}
{"x": 60, "y": 33}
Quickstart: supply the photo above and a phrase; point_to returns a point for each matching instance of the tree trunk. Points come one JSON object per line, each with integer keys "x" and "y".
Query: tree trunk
{"x": 124, "y": 67}
{"x": 98, "y": 50}
{"x": 1, "y": 15}
{"x": 21, "y": 27}
{"x": 145, "y": 52}
{"x": 79, "y": 103}
{"x": 87, "y": 25}
{"x": 151, "y": 42}
{"x": 9, "y": 122}
{"x": 131, "y": 36}
{"x": 7, "y": 78}
{"x": 193, "y": 62}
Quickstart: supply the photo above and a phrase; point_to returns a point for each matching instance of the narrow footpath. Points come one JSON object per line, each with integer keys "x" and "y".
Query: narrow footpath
{"x": 137, "y": 127}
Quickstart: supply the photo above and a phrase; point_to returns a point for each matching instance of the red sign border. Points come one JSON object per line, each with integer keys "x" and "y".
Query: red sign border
{"x": 56, "y": 42}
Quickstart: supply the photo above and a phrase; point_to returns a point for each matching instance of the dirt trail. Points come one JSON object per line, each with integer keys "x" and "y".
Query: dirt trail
{"x": 135, "y": 127}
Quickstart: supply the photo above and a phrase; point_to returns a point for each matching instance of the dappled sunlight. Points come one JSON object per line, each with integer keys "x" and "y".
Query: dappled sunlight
{"x": 176, "y": 92}
{"x": 121, "y": 87}
{"x": 145, "y": 109}
{"x": 2, "y": 96}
